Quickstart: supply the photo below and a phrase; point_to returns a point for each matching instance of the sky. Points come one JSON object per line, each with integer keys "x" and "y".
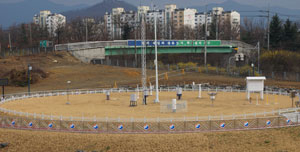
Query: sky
{"x": 293, "y": 4}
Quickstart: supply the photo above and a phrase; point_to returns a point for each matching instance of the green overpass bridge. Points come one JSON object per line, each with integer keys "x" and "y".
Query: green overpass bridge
{"x": 129, "y": 50}
{"x": 87, "y": 51}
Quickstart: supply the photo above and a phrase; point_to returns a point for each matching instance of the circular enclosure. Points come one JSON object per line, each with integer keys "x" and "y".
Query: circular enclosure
{"x": 96, "y": 105}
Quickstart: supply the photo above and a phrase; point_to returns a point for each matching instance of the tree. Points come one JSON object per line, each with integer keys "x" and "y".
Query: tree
{"x": 275, "y": 32}
{"x": 212, "y": 30}
{"x": 290, "y": 34}
{"x": 126, "y": 31}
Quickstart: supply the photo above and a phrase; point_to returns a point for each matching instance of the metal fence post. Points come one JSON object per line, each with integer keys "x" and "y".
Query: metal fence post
{"x": 234, "y": 123}
{"x": 297, "y": 119}
{"x": 132, "y": 123}
{"x": 158, "y": 124}
{"x": 184, "y": 124}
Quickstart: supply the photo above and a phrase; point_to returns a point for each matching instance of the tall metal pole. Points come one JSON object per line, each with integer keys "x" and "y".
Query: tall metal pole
{"x": 86, "y": 30}
{"x": 217, "y": 26}
{"x": 258, "y": 53}
{"x": 143, "y": 57}
{"x": 9, "y": 42}
{"x": 156, "y": 61}
{"x": 135, "y": 49}
{"x": 29, "y": 69}
{"x": 205, "y": 43}
{"x": 268, "y": 26}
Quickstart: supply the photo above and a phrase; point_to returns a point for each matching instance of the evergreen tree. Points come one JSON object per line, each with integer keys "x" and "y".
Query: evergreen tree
{"x": 126, "y": 32}
{"x": 212, "y": 30}
{"x": 275, "y": 32}
{"x": 289, "y": 34}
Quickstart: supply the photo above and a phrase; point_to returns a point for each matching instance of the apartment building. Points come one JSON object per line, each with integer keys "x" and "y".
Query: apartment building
{"x": 40, "y": 18}
{"x": 51, "y": 21}
{"x": 184, "y": 17}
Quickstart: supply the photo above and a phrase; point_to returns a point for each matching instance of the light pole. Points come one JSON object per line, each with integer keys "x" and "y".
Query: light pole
{"x": 205, "y": 43}
{"x": 252, "y": 65}
{"x": 68, "y": 83}
{"x": 29, "y": 69}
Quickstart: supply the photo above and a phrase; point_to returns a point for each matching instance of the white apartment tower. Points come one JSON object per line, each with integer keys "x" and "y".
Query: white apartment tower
{"x": 55, "y": 21}
{"x": 40, "y": 19}
{"x": 50, "y": 21}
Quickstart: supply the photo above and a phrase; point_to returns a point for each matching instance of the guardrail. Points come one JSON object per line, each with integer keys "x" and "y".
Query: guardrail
{"x": 22, "y": 120}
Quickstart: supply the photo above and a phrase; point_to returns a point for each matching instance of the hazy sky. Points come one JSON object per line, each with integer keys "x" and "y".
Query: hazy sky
{"x": 294, "y": 4}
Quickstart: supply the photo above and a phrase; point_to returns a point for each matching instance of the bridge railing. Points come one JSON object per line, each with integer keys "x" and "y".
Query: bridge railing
{"x": 88, "y": 45}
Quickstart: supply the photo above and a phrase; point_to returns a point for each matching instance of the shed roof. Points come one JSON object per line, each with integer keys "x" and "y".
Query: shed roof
{"x": 256, "y": 78}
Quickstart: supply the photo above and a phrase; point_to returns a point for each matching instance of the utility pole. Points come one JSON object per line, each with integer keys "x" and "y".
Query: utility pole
{"x": 258, "y": 52}
{"x": 217, "y": 26}
{"x": 135, "y": 49}
{"x": 268, "y": 26}
{"x": 9, "y": 42}
{"x": 205, "y": 43}
{"x": 86, "y": 30}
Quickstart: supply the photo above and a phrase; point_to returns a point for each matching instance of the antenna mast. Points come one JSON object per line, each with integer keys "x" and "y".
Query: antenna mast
{"x": 143, "y": 55}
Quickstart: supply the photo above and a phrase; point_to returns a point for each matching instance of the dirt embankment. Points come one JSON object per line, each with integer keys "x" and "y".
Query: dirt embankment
{"x": 52, "y": 71}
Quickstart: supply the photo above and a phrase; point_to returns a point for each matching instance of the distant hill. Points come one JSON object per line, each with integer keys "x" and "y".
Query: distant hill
{"x": 24, "y": 11}
{"x": 98, "y": 10}
{"x": 252, "y": 11}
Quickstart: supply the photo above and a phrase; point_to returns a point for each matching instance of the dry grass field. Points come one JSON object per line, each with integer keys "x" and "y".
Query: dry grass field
{"x": 90, "y": 105}
{"x": 66, "y": 68}
{"x": 270, "y": 140}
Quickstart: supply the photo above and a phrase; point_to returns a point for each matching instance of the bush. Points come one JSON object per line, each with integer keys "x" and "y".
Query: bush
{"x": 281, "y": 60}
{"x": 190, "y": 65}
{"x": 20, "y": 77}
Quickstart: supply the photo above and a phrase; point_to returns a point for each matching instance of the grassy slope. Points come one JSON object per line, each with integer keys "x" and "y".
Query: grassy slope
{"x": 95, "y": 76}
{"x": 278, "y": 140}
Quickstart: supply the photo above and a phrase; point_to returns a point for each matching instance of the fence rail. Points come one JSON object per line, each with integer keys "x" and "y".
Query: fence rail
{"x": 145, "y": 126}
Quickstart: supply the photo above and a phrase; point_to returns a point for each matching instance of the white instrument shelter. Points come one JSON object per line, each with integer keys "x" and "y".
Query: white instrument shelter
{"x": 255, "y": 84}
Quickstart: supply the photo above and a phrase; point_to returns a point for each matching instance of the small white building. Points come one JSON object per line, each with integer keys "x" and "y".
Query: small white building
{"x": 255, "y": 84}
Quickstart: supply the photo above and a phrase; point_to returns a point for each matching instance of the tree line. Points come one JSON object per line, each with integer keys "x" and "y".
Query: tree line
{"x": 284, "y": 34}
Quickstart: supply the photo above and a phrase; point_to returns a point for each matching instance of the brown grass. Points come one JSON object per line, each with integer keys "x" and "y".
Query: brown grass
{"x": 278, "y": 140}
{"x": 97, "y": 105}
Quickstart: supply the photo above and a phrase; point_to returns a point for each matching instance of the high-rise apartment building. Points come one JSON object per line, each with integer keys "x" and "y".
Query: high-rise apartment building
{"x": 50, "y": 21}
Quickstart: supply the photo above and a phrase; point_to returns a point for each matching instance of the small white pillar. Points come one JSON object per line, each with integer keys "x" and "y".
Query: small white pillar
{"x": 200, "y": 91}
{"x": 174, "y": 105}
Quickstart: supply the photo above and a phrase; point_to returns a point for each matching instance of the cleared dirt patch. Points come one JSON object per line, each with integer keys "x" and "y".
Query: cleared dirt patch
{"x": 91, "y": 105}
